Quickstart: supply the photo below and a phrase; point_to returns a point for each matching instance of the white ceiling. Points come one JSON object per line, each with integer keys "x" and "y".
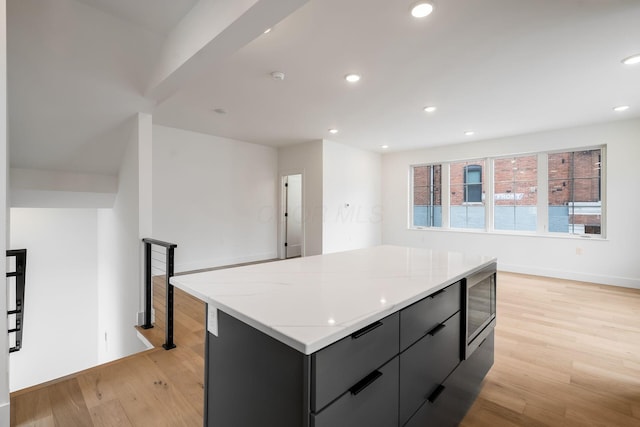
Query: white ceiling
{"x": 159, "y": 16}
{"x": 77, "y": 71}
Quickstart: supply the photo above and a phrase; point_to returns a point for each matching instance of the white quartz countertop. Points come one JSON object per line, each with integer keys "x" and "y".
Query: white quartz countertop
{"x": 311, "y": 302}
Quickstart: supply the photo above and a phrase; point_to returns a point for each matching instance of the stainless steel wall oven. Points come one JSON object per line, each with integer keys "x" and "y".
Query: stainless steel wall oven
{"x": 480, "y": 307}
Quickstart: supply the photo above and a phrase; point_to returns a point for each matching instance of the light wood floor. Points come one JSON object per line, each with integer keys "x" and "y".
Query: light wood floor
{"x": 567, "y": 354}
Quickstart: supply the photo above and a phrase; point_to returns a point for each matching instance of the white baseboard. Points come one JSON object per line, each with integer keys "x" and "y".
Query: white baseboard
{"x": 5, "y": 414}
{"x": 144, "y": 341}
{"x": 625, "y": 282}
{"x": 141, "y": 317}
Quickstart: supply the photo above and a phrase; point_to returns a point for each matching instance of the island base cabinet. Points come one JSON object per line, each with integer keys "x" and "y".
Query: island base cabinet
{"x": 372, "y": 403}
{"x": 253, "y": 379}
{"x": 458, "y": 392}
{"x": 425, "y": 365}
{"x": 344, "y": 363}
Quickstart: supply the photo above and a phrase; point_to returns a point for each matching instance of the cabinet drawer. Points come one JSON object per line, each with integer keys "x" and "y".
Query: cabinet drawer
{"x": 422, "y": 316}
{"x": 372, "y": 403}
{"x": 341, "y": 365}
{"x": 448, "y": 407}
{"x": 426, "y": 364}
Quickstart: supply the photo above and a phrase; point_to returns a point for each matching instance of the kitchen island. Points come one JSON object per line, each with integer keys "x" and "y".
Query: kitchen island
{"x": 371, "y": 337}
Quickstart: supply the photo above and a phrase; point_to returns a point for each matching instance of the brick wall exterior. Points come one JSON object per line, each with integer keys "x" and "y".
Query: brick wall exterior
{"x": 456, "y": 178}
{"x": 517, "y": 176}
{"x": 574, "y": 177}
{"x": 583, "y": 165}
{"x": 422, "y": 184}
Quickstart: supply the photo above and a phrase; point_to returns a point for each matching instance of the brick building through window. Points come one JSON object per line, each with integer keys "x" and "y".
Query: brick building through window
{"x": 574, "y": 204}
{"x": 575, "y": 191}
{"x": 467, "y": 194}
{"x": 427, "y": 196}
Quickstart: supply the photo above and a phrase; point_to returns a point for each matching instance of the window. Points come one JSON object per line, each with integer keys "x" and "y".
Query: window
{"x": 467, "y": 198}
{"x": 473, "y": 184}
{"x": 427, "y": 196}
{"x": 575, "y": 187}
{"x": 544, "y": 193}
{"x": 515, "y": 193}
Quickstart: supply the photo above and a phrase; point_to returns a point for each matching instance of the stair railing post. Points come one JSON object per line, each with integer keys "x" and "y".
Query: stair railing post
{"x": 20, "y": 275}
{"x": 169, "y": 344}
{"x": 147, "y": 287}
{"x": 169, "y": 309}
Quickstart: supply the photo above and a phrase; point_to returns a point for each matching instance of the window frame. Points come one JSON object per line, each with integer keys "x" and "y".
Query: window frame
{"x": 466, "y": 184}
{"x": 483, "y": 166}
{"x": 412, "y": 196}
{"x": 542, "y": 183}
{"x": 492, "y": 223}
{"x": 601, "y": 190}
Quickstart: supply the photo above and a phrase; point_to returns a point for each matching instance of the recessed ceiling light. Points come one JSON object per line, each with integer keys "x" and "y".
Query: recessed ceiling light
{"x": 430, "y": 109}
{"x": 277, "y": 75}
{"x": 421, "y": 9}
{"x": 469, "y": 133}
{"x": 267, "y": 31}
{"x": 352, "y": 78}
{"x": 621, "y": 108}
{"x": 333, "y": 131}
{"x": 634, "y": 59}
{"x": 384, "y": 147}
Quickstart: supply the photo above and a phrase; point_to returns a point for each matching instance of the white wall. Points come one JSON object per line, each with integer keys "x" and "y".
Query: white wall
{"x": 32, "y": 188}
{"x": 613, "y": 260}
{"x": 118, "y": 268}
{"x": 4, "y": 217}
{"x": 61, "y": 295}
{"x": 351, "y": 198}
{"x": 145, "y": 195}
{"x": 214, "y": 197}
{"x": 306, "y": 159}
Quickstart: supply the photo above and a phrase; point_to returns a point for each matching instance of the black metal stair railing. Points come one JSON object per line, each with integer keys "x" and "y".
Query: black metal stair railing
{"x": 17, "y": 308}
{"x": 169, "y": 253}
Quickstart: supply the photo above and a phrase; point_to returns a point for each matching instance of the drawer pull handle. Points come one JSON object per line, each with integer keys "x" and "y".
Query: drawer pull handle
{"x": 365, "y": 382}
{"x": 434, "y": 395}
{"x": 435, "y": 294}
{"x": 365, "y": 330}
{"x": 436, "y": 329}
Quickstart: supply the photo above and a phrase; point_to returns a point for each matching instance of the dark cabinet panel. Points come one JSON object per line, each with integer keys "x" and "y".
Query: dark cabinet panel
{"x": 427, "y": 313}
{"x": 371, "y": 403}
{"x": 253, "y": 379}
{"x": 456, "y": 395}
{"x": 425, "y": 365}
{"x": 337, "y": 367}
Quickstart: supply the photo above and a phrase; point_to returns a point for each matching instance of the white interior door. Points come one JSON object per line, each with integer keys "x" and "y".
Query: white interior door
{"x": 293, "y": 216}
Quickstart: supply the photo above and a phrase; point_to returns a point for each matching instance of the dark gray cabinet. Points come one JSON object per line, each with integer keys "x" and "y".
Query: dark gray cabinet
{"x": 426, "y": 364}
{"x": 428, "y": 313}
{"x": 456, "y": 394}
{"x": 403, "y": 370}
{"x": 373, "y": 402}
{"x": 337, "y": 367}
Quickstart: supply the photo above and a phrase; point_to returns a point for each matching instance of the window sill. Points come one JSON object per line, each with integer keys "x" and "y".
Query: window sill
{"x": 595, "y": 238}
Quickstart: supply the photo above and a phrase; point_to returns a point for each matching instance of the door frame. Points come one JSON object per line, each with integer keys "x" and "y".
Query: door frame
{"x": 283, "y": 206}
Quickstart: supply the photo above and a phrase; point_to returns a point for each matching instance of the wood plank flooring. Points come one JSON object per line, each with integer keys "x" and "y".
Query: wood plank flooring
{"x": 567, "y": 354}
{"x": 152, "y": 388}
